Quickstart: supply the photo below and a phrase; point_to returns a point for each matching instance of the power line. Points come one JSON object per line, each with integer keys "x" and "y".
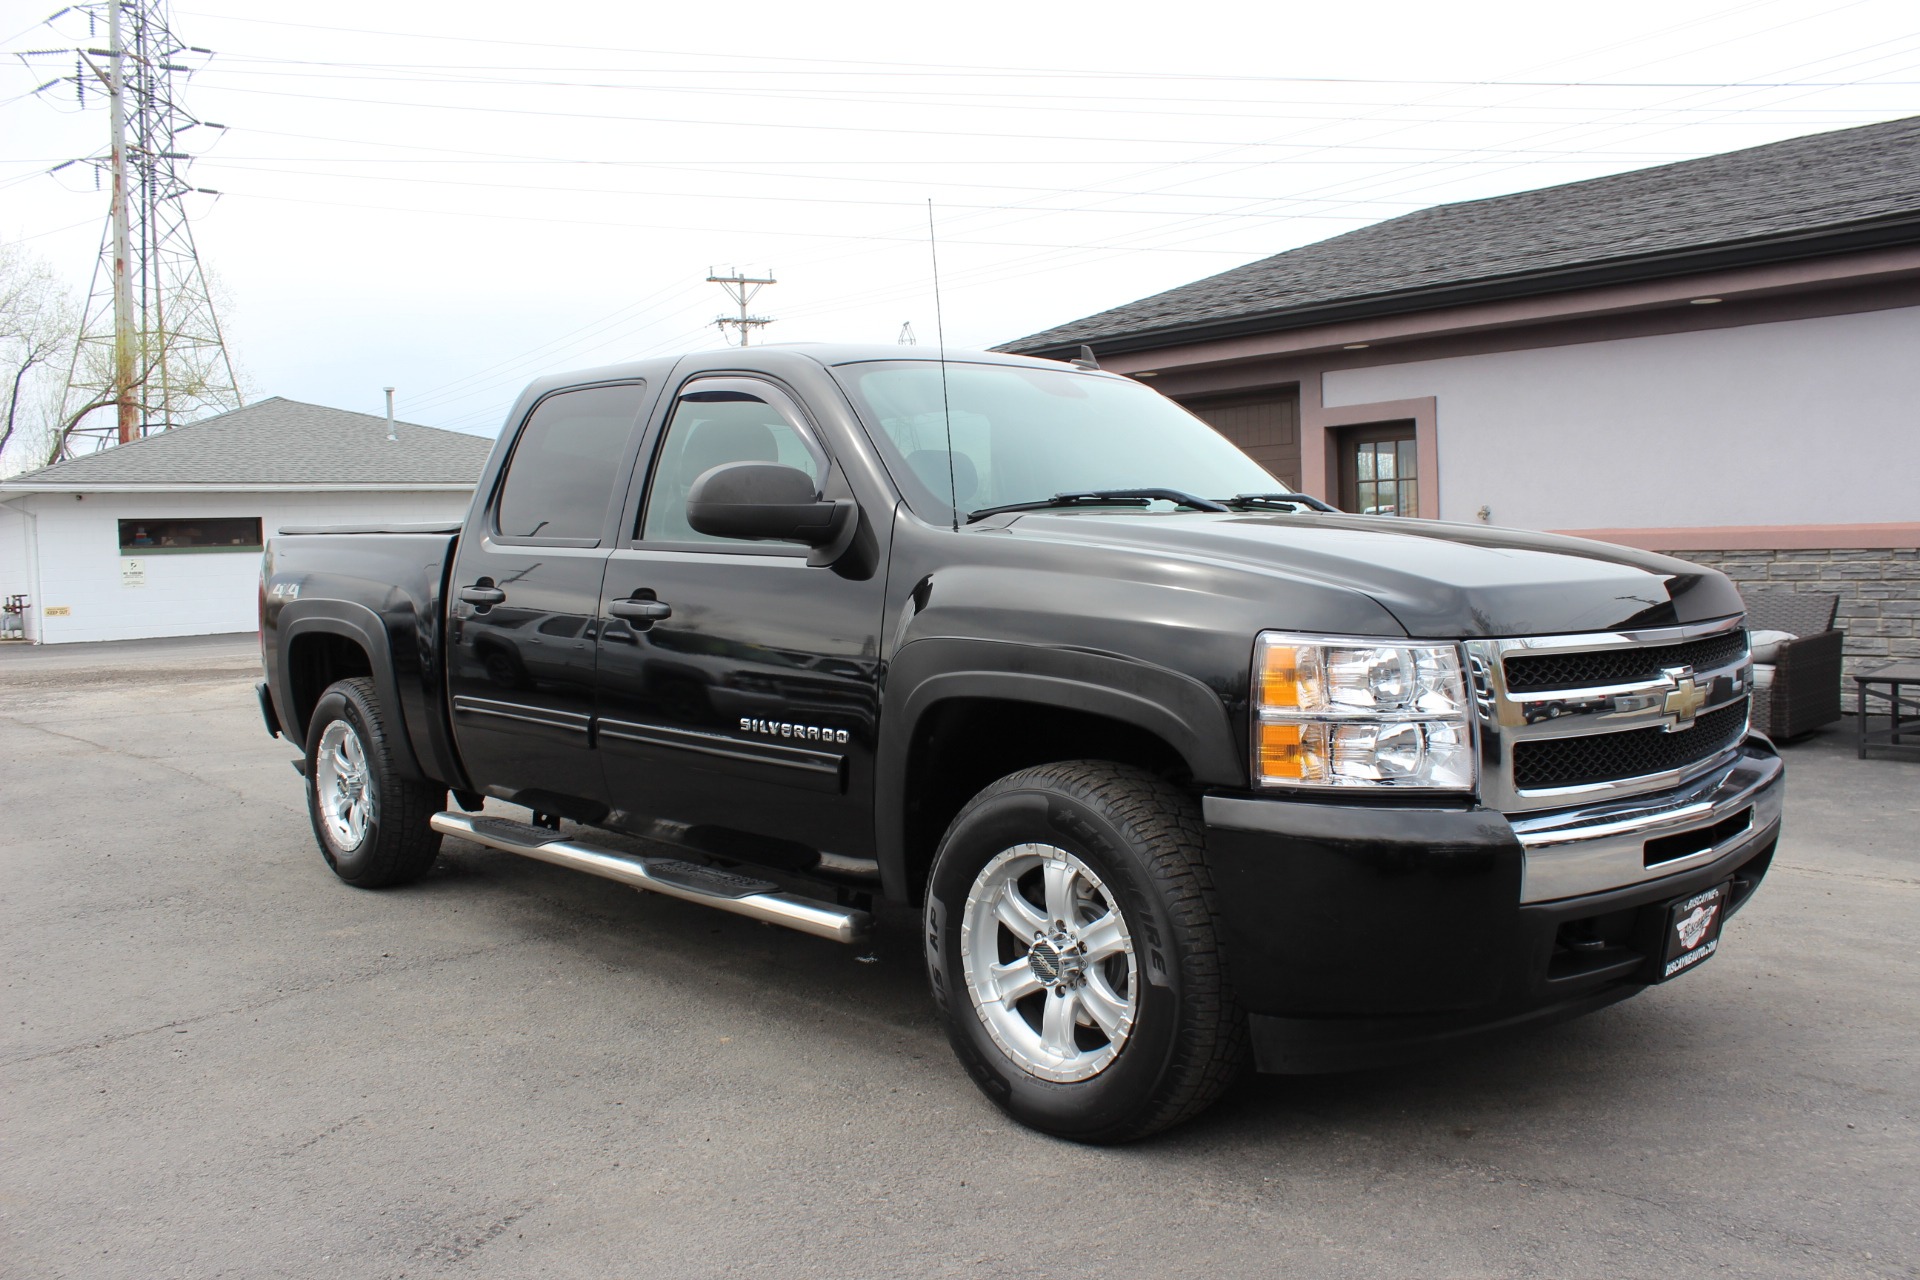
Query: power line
{"x": 940, "y": 100}
{"x": 892, "y": 68}
{"x": 604, "y": 117}
{"x": 789, "y": 199}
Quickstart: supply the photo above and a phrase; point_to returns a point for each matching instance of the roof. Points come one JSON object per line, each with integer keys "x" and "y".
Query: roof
{"x": 276, "y": 442}
{"x": 1827, "y": 193}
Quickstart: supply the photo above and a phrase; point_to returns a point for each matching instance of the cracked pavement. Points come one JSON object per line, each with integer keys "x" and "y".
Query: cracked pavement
{"x": 219, "y": 1061}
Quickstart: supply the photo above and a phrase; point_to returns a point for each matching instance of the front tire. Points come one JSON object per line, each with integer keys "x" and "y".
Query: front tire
{"x": 1073, "y": 953}
{"x": 370, "y": 821}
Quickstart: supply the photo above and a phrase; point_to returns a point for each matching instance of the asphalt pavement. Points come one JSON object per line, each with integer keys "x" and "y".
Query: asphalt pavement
{"x": 220, "y": 1061}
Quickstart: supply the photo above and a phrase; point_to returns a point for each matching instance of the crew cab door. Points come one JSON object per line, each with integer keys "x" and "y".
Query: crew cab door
{"x": 738, "y": 685}
{"x": 523, "y": 612}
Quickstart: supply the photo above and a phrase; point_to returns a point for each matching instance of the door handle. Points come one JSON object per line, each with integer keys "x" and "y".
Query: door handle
{"x": 482, "y": 595}
{"x": 641, "y": 610}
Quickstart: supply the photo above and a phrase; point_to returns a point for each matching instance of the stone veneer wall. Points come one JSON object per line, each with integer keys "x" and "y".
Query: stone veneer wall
{"x": 1879, "y": 594}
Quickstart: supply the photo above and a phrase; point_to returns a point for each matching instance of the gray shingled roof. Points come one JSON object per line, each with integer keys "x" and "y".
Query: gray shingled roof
{"x": 278, "y": 441}
{"x": 1785, "y": 189}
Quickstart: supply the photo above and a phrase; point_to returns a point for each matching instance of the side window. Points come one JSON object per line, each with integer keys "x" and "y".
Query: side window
{"x": 563, "y": 471}
{"x": 713, "y": 425}
{"x": 566, "y": 626}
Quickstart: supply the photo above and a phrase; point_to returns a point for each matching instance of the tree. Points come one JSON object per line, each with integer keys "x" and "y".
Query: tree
{"x": 38, "y": 326}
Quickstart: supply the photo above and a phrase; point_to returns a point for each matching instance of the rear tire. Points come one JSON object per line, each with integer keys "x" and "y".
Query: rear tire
{"x": 1072, "y": 948}
{"x": 370, "y": 822}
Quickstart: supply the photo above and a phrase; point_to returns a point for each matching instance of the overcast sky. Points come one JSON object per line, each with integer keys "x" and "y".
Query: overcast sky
{"x": 453, "y": 199}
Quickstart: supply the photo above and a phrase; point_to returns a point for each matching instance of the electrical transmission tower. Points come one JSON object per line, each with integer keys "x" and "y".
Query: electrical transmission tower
{"x": 150, "y": 347}
{"x": 742, "y": 290}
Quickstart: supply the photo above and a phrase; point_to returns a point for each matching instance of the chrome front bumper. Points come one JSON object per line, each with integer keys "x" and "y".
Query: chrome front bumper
{"x": 1606, "y": 846}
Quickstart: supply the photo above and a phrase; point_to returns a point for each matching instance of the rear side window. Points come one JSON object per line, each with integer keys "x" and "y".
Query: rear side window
{"x": 562, "y": 475}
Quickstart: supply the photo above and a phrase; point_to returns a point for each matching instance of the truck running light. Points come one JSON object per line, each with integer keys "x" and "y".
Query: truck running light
{"x": 1355, "y": 713}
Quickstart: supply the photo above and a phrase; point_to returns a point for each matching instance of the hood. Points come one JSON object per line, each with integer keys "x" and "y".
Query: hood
{"x": 1437, "y": 579}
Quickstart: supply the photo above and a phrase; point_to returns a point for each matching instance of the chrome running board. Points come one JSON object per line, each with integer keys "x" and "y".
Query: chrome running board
{"x": 742, "y": 895}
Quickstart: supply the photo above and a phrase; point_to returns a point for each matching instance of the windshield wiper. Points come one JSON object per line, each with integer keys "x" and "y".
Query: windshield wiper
{"x": 1092, "y": 497}
{"x": 1306, "y": 500}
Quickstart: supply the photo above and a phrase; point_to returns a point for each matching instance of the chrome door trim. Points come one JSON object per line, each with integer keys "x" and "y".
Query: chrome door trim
{"x": 571, "y": 721}
{"x": 814, "y": 770}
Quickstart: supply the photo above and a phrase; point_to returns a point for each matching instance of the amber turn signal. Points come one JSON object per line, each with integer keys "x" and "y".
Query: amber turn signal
{"x": 1282, "y": 753}
{"x": 1279, "y": 677}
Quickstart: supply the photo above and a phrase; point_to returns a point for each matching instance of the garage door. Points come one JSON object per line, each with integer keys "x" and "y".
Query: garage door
{"x": 1266, "y": 426}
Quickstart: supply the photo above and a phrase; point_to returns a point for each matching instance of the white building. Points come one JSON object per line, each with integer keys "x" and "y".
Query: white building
{"x": 162, "y": 537}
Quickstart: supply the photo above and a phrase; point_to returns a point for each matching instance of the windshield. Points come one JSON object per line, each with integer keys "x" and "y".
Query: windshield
{"x": 1023, "y": 434}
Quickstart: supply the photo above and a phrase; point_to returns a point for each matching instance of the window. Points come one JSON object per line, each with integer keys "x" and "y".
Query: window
{"x": 1379, "y": 471}
{"x": 717, "y": 421}
{"x": 214, "y": 533}
{"x": 565, "y": 465}
{"x": 1021, "y": 433}
{"x": 563, "y": 626}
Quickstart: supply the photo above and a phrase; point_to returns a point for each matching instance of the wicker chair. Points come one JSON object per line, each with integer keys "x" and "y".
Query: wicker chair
{"x": 1806, "y": 676}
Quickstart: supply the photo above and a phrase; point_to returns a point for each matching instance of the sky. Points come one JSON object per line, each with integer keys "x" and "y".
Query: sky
{"x": 454, "y": 199}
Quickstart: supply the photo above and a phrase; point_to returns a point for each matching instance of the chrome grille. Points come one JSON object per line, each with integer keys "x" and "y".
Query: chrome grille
{"x": 1563, "y": 719}
{"x": 1605, "y": 757}
{"x": 1528, "y": 672}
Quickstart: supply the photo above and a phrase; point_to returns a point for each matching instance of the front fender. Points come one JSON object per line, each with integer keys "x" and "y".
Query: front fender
{"x": 1176, "y": 708}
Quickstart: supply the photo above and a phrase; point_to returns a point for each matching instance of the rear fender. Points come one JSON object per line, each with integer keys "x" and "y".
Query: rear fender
{"x": 361, "y": 625}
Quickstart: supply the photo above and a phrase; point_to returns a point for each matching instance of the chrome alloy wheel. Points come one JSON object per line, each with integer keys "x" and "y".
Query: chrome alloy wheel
{"x": 343, "y": 785}
{"x": 1049, "y": 963}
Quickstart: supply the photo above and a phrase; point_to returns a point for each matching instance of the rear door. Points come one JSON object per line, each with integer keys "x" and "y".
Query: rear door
{"x": 523, "y": 612}
{"x": 743, "y": 714}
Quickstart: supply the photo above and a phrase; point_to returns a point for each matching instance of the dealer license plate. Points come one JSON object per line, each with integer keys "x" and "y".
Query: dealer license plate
{"x": 1693, "y": 929}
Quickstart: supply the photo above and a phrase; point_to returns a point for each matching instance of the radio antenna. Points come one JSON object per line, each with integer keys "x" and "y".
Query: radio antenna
{"x": 940, "y": 336}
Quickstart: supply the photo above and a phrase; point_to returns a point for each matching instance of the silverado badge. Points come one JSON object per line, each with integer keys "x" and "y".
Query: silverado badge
{"x": 798, "y": 732}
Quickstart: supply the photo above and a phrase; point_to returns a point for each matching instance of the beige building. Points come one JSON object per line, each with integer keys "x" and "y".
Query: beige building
{"x": 1718, "y": 358}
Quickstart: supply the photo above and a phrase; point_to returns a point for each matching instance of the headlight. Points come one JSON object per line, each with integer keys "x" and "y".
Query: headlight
{"x": 1360, "y": 713}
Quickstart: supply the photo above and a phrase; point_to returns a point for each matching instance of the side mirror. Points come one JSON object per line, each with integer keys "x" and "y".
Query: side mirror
{"x": 768, "y": 500}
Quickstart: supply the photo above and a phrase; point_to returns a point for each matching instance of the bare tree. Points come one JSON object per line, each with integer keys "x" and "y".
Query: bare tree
{"x": 38, "y": 324}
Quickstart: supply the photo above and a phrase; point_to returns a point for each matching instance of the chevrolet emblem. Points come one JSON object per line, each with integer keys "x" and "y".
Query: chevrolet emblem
{"x": 1684, "y": 700}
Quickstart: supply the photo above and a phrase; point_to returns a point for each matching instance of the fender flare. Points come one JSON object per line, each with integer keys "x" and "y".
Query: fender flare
{"x": 1172, "y": 706}
{"x": 362, "y": 625}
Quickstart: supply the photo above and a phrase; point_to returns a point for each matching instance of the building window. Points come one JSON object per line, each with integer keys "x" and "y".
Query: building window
{"x": 214, "y": 533}
{"x": 1379, "y": 475}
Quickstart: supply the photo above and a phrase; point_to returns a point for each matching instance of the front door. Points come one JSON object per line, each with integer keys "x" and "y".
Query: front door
{"x": 740, "y": 717}
{"x": 1379, "y": 470}
{"x": 524, "y": 605}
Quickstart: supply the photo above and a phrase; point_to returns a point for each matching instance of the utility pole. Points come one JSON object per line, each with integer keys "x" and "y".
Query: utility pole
{"x": 742, "y": 289}
{"x": 150, "y": 347}
{"x": 123, "y": 333}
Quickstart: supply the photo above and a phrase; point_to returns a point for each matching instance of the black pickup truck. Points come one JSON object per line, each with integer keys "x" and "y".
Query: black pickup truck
{"x": 1183, "y": 768}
